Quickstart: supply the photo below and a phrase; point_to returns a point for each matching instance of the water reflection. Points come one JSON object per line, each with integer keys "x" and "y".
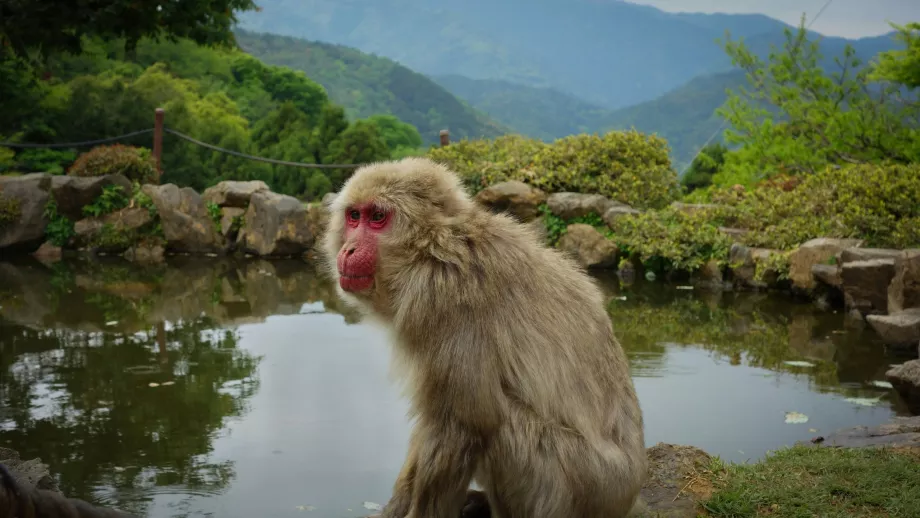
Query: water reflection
{"x": 210, "y": 387}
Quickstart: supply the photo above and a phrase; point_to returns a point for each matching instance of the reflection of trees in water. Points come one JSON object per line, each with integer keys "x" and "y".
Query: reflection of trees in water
{"x": 82, "y": 402}
{"x": 760, "y": 329}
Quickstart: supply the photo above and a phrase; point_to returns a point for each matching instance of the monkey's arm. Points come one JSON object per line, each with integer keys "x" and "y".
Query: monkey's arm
{"x": 447, "y": 457}
{"x": 398, "y": 506}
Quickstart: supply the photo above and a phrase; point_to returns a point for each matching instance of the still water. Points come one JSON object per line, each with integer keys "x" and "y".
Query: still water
{"x": 235, "y": 389}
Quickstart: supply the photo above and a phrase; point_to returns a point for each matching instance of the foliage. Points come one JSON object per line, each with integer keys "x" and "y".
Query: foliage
{"x": 704, "y": 167}
{"x": 110, "y": 238}
{"x": 10, "y": 210}
{"x": 671, "y": 239}
{"x": 111, "y": 199}
{"x": 902, "y": 65}
{"x": 214, "y": 214}
{"x": 135, "y": 164}
{"x": 58, "y": 27}
{"x": 556, "y": 227}
{"x": 60, "y": 228}
{"x": 796, "y": 118}
{"x": 625, "y": 166}
{"x": 809, "y": 481}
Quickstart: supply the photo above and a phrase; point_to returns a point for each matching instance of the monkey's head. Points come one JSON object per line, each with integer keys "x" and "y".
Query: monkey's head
{"x": 388, "y": 216}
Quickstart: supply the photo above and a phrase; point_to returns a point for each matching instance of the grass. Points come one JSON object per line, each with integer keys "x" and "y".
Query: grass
{"x": 819, "y": 482}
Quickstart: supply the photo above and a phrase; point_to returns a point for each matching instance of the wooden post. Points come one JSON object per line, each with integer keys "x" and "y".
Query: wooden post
{"x": 445, "y": 137}
{"x": 158, "y": 141}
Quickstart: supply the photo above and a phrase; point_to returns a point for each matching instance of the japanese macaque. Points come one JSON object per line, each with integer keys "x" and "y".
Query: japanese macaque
{"x": 515, "y": 378}
{"x": 20, "y": 501}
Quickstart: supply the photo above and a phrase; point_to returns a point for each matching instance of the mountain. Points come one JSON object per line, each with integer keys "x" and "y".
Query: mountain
{"x": 367, "y": 85}
{"x": 607, "y": 52}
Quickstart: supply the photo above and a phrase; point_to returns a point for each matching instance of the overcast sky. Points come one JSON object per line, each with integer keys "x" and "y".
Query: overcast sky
{"x": 847, "y": 18}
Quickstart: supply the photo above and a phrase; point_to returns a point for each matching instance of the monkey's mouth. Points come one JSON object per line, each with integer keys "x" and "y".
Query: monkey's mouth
{"x": 356, "y": 283}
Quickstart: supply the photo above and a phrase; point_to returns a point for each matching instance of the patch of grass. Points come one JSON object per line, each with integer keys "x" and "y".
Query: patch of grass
{"x": 828, "y": 482}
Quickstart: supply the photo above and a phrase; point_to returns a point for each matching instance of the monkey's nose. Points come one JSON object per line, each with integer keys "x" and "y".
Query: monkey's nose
{"x": 350, "y": 251}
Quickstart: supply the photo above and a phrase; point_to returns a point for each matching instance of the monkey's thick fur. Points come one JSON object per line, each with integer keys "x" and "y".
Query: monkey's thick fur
{"x": 514, "y": 375}
{"x": 18, "y": 501}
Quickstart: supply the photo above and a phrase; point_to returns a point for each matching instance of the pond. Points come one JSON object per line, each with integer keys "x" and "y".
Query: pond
{"x": 245, "y": 388}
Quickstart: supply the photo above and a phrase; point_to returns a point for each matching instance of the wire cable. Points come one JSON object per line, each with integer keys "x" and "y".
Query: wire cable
{"x": 75, "y": 144}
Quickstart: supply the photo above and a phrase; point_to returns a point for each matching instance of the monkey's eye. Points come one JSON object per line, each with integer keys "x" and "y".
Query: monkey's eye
{"x": 354, "y": 215}
{"x": 378, "y": 216}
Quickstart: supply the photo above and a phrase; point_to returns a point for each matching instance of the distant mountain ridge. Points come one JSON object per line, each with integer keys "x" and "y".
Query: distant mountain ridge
{"x": 607, "y": 52}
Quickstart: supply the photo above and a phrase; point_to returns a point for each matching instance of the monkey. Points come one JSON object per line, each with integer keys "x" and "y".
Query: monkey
{"x": 514, "y": 377}
{"x": 17, "y": 501}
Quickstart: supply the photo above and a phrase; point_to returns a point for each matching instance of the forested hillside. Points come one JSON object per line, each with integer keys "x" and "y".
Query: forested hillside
{"x": 223, "y": 97}
{"x": 610, "y": 53}
{"x": 366, "y": 85}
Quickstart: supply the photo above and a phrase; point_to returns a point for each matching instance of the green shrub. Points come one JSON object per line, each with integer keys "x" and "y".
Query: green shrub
{"x": 111, "y": 199}
{"x": 9, "y": 210}
{"x": 60, "y": 227}
{"x": 136, "y": 164}
{"x": 626, "y": 166}
{"x": 556, "y": 226}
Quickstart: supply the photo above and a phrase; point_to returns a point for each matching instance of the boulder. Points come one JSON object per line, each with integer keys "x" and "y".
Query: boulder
{"x": 227, "y": 216}
{"x": 900, "y": 432}
{"x": 276, "y": 225}
{"x": 22, "y": 207}
{"x": 898, "y": 329}
{"x": 570, "y": 205}
{"x": 187, "y": 225}
{"x": 904, "y": 290}
{"x": 618, "y": 210}
{"x": 743, "y": 261}
{"x": 710, "y": 274}
{"x": 29, "y": 473}
{"x": 233, "y": 193}
{"x": 735, "y": 233}
{"x": 853, "y": 254}
{"x": 112, "y": 232}
{"x": 588, "y": 246}
{"x": 815, "y": 252}
{"x": 514, "y": 197}
{"x": 828, "y": 274}
{"x": 48, "y": 252}
{"x": 905, "y": 379}
{"x": 865, "y": 284}
{"x": 690, "y": 208}
{"x": 72, "y": 193}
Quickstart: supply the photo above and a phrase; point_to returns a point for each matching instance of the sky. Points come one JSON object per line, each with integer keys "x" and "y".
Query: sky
{"x": 846, "y": 18}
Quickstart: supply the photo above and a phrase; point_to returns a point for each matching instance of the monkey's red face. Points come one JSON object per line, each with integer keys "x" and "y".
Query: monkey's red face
{"x": 357, "y": 259}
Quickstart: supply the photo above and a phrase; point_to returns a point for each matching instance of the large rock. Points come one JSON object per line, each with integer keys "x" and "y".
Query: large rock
{"x": 743, "y": 262}
{"x": 514, "y": 197}
{"x": 736, "y": 234}
{"x": 72, "y": 193}
{"x": 900, "y": 432}
{"x": 815, "y": 252}
{"x": 690, "y": 208}
{"x": 905, "y": 378}
{"x": 899, "y": 329}
{"x": 233, "y": 193}
{"x": 26, "y": 197}
{"x": 187, "y": 225}
{"x": 854, "y": 254}
{"x": 865, "y": 284}
{"x": 617, "y": 211}
{"x": 229, "y": 215}
{"x": 29, "y": 473}
{"x": 121, "y": 224}
{"x": 276, "y": 225}
{"x": 570, "y": 205}
{"x": 904, "y": 290}
{"x": 827, "y": 273}
{"x": 588, "y": 246}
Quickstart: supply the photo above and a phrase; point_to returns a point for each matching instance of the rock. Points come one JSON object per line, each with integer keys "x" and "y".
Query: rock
{"x": 743, "y": 262}
{"x": 710, "y": 274}
{"x": 317, "y": 219}
{"x": 617, "y": 211}
{"x": 899, "y": 329}
{"x": 735, "y": 233}
{"x": 570, "y": 205}
{"x": 146, "y": 253}
{"x": 227, "y": 215}
{"x": 29, "y": 194}
{"x": 865, "y": 284}
{"x": 672, "y": 490}
{"x": 690, "y": 208}
{"x": 233, "y": 193}
{"x": 827, "y": 273}
{"x": 901, "y": 432}
{"x": 854, "y": 254}
{"x": 588, "y": 246}
{"x": 276, "y": 224}
{"x": 815, "y": 252}
{"x": 186, "y": 223}
{"x": 30, "y": 473}
{"x": 514, "y": 197}
{"x": 48, "y": 252}
{"x": 904, "y": 290}
{"x": 72, "y": 193}
{"x": 905, "y": 379}
{"x": 121, "y": 227}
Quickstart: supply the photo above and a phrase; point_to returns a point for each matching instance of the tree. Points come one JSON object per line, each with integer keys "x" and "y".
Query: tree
{"x": 901, "y": 66}
{"x": 795, "y": 118}
{"x": 49, "y": 27}
{"x": 706, "y": 165}
{"x": 359, "y": 144}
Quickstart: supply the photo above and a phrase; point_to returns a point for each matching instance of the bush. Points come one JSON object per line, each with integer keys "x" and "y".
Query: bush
{"x": 9, "y": 210}
{"x": 625, "y": 166}
{"x": 136, "y": 164}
